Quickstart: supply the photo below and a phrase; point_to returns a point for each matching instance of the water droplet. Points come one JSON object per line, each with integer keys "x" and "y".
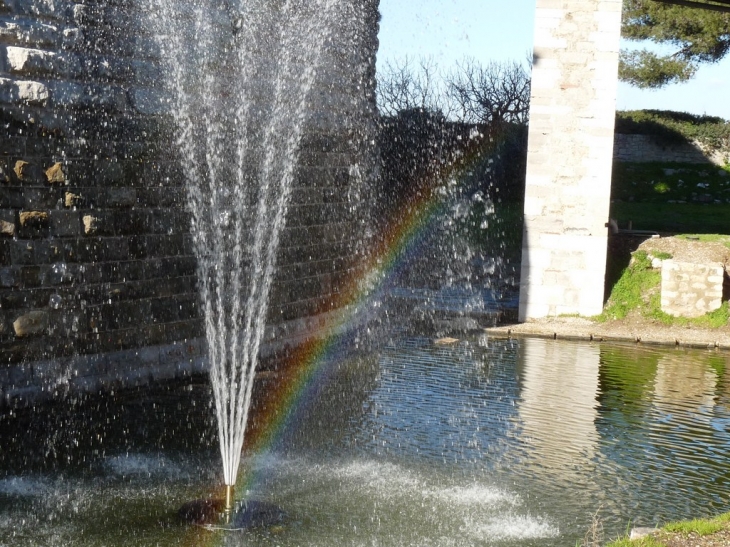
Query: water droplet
{"x": 55, "y": 301}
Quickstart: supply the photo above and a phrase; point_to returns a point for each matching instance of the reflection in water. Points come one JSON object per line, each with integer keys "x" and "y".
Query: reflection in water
{"x": 512, "y": 443}
{"x": 665, "y": 429}
{"x": 686, "y": 383}
{"x": 558, "y": 406}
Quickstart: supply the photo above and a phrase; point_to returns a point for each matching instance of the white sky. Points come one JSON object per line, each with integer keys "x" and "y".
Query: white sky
{"x": 448, "y": 30}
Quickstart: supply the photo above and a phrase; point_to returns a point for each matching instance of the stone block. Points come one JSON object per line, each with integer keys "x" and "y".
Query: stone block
{"x": 30, "y": 62}
{"x": 8, "y": 277}
{"x": 23, "y": 92}
{"x": 55, "y": 174}
{"x": 89, "y": 96}
{"x": 184, "y": 330}
{"x": 134, "y": 221}
{"x": 32, "y": 276}
{"x": 150, "y": 102}
{"x": 23, "y": 31}
{"x": 107, "y": 68}
{"x": 160, "y": 197}
{"x": 118, "y": 197}
{"x": 91, "y": 224}
{"x": 7, "y": 223}
{"x": 11, "y": 198}
{"x": 40, "y": 198}
{"x": 33, "y": 224}
{"x": 116, "y": 248}
{"x": 35, "y": 322}
{"x": 22, "y": 252}
{"x": 686, "y": 290}
{"x": 65, "y": 223}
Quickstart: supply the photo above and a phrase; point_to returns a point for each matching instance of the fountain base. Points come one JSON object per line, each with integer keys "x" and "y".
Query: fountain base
{"x": 243, "y": 515}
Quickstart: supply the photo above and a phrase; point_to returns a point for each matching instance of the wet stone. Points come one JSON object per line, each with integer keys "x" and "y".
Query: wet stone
{"x": 72, "y": 200}
{"x": 65, "y": 223}
{"x": 91, "y": 224}
{"x": 34, "y": 218}
{"x": 55, "y": 174}
{"x": 40, "y": 198}
{"x": 21, "y": 168}
{"x": 7, "y": 228}
{"x": 35, "y": 322}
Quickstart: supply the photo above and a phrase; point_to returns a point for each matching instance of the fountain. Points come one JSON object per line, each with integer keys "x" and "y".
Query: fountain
{"x": 241, "y": 76}
{"x": 478, "y": 441}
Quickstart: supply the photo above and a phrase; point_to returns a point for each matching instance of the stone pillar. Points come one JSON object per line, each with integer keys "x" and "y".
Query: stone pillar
{"x": 572, "y": 110}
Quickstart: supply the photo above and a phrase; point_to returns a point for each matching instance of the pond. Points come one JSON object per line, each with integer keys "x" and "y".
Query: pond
{"x": 484, "y": 442}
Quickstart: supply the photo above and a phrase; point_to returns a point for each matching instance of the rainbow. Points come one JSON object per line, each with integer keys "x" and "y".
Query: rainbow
{"x": 306, "y": 369}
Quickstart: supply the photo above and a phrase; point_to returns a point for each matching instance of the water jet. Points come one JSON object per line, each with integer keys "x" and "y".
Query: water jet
{"x": 242, "y": 108}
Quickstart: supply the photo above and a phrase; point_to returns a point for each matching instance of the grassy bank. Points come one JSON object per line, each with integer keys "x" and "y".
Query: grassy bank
{"x": 638, "y": 291}
{"x": 696, "y": 532}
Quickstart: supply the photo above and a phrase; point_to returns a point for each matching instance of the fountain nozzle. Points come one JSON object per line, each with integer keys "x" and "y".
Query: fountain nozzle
{"x": 229, "y": 501}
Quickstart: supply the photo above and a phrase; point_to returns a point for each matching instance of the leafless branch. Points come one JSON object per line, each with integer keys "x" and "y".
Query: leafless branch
{"x": 408, "y": 85}
{"x": 493, "y": 94}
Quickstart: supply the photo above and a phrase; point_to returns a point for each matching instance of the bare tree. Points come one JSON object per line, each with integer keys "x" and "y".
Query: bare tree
{"x": 493, "y": 94}
{"x": 407, "y": 85}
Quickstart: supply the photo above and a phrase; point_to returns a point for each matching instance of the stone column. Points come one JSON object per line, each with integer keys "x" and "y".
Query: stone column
{"x": 572, "y": 110}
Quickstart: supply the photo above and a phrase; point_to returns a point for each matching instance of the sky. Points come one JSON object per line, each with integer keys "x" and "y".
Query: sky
{"x": 498, "y": 30}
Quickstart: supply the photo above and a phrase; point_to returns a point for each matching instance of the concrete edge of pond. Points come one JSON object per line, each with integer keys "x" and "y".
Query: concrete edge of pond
{"x": 585, "y": 330}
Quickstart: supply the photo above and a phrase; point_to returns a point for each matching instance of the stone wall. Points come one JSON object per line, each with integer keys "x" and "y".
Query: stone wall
{"x": 97, "y": 273}
{"x": 689, "y": 289}
{"x": 645, "y": 148}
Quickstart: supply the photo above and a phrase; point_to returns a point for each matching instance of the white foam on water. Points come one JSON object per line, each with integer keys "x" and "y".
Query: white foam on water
{"x": 127, "y": 465}
{"x": 474, "y": 495}
{"x": 510, "y": 527}
{"x": 387, "y": 481}
{"x": 464, "y": 513}
{"x": 26, "y": 486}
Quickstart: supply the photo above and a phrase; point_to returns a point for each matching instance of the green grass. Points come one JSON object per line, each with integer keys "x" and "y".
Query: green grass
{"x": 701, "y": 527}
{"x": 638, "y": 289}
{"x": 662, "y": 182}
{"x": 678, "y": 218}
{"x": 630, "y": 292}
{"x": 661, "y": 255}
{"x": 671, "y": 197}
{"x": 647, "y": 541}
{"x": 708, "y": 238}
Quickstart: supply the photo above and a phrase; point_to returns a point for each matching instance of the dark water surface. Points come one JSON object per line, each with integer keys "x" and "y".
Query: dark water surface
{"x": 485, "y": 442}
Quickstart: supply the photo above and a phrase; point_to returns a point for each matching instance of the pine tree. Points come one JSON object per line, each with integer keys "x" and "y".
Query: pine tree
{"x": 697, "y": 35}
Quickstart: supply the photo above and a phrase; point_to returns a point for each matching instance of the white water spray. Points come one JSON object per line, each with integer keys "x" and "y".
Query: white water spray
{"x": 239, "y": 75}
